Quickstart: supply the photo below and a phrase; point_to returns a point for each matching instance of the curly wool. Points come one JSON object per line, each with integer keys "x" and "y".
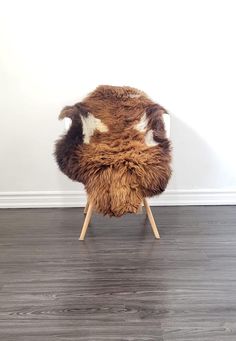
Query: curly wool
{"x": 117, "y": 147}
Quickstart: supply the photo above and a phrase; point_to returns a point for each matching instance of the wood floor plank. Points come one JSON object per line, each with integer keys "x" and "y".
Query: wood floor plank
{"x": 120, "y": 284}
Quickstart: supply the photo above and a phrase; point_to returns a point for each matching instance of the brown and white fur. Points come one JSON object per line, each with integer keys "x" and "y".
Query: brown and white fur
{"x": 117, "y": 147}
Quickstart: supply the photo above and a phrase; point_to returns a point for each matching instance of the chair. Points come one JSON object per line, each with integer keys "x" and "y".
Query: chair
{"x": 116, "y": 144}
{"x": 89, "y": 209}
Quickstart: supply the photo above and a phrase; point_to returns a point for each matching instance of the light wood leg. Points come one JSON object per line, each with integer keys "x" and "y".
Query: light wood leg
{"x": 86, "y": 221}
{"x": 151, "y": 219}
{"x": 86, "y": 207}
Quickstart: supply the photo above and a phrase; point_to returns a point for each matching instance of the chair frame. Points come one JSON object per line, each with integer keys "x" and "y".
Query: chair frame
{"x": 88, "y": 210}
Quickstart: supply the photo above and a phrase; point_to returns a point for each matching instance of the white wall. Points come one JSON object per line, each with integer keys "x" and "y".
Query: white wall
{"x": 182, "y": 53}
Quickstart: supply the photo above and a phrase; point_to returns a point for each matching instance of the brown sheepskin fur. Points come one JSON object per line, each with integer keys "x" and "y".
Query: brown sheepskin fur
{"x": 116, "y": 166}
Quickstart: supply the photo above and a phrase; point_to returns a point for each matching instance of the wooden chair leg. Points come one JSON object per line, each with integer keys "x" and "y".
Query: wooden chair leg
{"x": 151, "y": 219}
{"x": 86, "y": 207}
{"x": 86, "y": 221}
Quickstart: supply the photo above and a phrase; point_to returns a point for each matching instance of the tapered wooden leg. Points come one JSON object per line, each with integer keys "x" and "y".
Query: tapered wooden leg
{"x": 86, "y": 207}
{"x": 86, "y": 221}
{"x": 151, "y": 219}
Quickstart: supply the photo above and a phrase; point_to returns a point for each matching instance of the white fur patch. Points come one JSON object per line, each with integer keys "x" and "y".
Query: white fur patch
{"x": 90, "y": 124}
{"x": 149, "y": 140}
{"x": 142, "y": 127}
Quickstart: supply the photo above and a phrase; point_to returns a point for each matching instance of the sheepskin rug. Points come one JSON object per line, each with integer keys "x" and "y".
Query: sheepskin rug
{"x": 117, "y": 147}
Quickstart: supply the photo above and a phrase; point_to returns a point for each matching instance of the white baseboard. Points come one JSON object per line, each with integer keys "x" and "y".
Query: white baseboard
{"x": 39, "y": 199}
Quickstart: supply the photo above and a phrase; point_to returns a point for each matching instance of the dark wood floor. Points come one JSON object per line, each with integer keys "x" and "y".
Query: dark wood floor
{"x": 121, "y": 283}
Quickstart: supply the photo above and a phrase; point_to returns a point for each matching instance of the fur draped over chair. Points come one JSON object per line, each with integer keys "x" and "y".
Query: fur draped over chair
{"x": 117, "y": 147}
